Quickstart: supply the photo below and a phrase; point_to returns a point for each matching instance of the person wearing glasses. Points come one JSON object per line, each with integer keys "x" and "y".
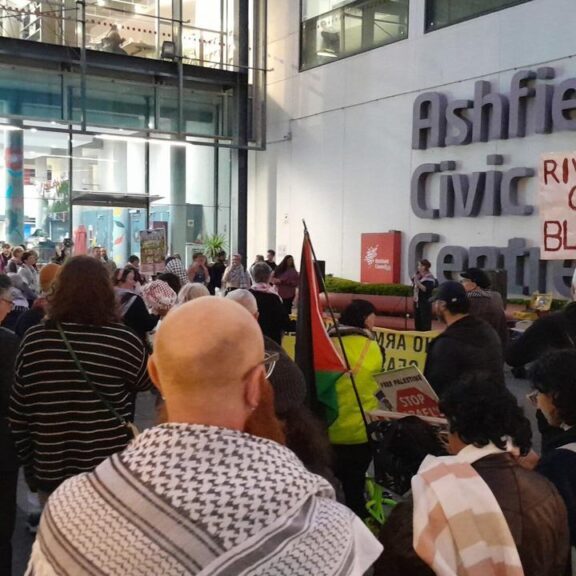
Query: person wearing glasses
{"x": 199, "y": 494}
{"x": 553, "y": 376}
{"x": 8, "y": 458}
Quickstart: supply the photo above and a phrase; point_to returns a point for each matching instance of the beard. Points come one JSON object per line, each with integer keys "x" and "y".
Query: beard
{"x": 263, "y": 421}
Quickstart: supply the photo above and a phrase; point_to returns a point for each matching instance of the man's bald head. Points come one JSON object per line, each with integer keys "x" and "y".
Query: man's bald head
{"x": 207, "y": 342}
{"x": 204, "y": 353}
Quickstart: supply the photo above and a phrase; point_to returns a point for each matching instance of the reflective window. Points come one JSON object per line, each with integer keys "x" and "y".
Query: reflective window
{"x": 331, "y": 30}
{"x": 128, "y": 28}
{"x": 95, "y": 190}
{"x": 441, "y": 13}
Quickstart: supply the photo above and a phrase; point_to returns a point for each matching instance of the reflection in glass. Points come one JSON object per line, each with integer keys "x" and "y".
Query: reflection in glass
{"x": 333, "y": 30}
{"x": 441, "y": 13}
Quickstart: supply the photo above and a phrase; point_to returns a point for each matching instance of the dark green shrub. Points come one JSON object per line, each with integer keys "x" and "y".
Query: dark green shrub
{"x": 341, "y": 285}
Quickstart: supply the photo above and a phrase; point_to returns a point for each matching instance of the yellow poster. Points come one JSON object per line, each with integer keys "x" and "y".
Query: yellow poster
{"x": 403, "y": 348}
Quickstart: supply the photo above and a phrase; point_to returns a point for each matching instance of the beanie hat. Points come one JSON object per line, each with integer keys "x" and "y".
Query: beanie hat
{"x": 47, "y": 275}
{"x": 287, "y": 380}
{"x": 479, "y": 277}
{"x": 158, "y": 296}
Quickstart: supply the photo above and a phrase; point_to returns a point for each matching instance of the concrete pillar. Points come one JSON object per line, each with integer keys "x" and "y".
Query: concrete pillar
{"x": 115, "y": 180}
{"x": 14, "y": 182}
{"x": 177, "y": 231}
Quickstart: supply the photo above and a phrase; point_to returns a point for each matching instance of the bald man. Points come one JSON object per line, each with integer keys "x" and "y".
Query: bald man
{"x": 199, "y": 495}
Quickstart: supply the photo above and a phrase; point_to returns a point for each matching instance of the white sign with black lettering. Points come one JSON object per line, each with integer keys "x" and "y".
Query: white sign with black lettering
{"x": 406, "y": 391}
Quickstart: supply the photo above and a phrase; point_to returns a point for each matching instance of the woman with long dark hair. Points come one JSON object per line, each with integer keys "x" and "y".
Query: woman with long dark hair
{"x": 286, "y": 279}
{"x": 75, "y": 377}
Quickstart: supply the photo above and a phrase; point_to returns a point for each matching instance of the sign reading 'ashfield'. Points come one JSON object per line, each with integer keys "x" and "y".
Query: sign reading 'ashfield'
{"x": 440, "y": 122}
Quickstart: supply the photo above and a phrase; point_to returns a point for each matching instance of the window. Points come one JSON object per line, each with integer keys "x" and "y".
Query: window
{"x": 442, "y": 13}
{"x": 332, "y": 29}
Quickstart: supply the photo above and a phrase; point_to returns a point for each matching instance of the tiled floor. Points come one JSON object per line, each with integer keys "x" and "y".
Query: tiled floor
{"x": 144, "y": 418}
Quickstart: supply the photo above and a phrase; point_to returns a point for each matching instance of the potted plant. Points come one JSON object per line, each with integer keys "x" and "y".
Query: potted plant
{"x": 214, "y": 244}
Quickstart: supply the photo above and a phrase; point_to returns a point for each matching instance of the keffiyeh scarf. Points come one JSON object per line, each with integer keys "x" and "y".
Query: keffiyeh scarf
{"x": 190, "y": 499}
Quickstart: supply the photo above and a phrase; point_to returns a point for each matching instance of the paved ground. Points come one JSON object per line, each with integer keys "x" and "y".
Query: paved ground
{"x": 22, "y": 541}
{"x": 144, "y": 416}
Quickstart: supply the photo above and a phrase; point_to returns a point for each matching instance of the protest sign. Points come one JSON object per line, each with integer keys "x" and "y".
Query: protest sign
{"x": 152, "y": 251}
{"x": 406, "y": 391}
{"x": 404, "y": 348}
{"x": 557, "y": 200}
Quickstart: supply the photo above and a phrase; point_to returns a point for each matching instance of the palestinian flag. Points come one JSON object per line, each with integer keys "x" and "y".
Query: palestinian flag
{"x": 315, "y": 353}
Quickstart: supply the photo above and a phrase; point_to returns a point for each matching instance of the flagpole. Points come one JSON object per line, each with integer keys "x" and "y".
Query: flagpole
{"x": 338, "y": 334}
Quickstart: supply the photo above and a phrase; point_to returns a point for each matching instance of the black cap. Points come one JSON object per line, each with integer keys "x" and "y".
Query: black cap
{"x": 450, "y": 292}
{"x": 477, "y": 276}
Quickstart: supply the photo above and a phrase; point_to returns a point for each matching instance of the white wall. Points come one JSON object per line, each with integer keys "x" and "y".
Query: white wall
{"x": 339, "y": 136}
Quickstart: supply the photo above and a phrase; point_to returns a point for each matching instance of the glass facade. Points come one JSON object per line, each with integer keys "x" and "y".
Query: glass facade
{"x": 331, "y": 29}
{"x": 128, "y": 27}
{"x": 106, "y": 185}
{"x": 100, "y": 143}
{"x": 442, "y": 13}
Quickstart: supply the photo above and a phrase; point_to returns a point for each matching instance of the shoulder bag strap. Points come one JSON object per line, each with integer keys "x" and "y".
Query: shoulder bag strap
{"x": 88, "y": 381}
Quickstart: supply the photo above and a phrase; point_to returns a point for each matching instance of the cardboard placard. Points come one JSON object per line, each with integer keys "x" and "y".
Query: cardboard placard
{"x": 557, "y": 206}
{"x": 406, "y": 391}
{"x": 152, "y": 251}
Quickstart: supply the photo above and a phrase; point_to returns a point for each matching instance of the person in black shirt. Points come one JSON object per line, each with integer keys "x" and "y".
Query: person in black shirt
{"x": 468, "y": 344}
{"x": 273, "y": 318}
{"x": 216, "y": 272}
{"x": 270, "y": 259}
{"x": 423, "y": 283}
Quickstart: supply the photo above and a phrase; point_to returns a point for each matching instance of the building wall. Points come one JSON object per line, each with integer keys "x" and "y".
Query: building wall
{"x": 339, "y": 152}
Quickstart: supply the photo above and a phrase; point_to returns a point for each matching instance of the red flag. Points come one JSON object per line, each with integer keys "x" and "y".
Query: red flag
{"x": 315, "y": 353}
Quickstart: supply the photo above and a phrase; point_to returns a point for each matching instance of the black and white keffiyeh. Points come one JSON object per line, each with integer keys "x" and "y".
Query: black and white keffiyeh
{"x": 190, "y": 499}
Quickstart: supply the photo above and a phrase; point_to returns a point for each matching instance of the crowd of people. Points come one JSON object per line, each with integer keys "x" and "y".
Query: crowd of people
{"x": 240, "y": 475}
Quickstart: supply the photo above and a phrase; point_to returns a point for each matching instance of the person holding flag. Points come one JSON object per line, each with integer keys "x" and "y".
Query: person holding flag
{"x": 339, "y": 375}
{"x": 347, "y": 433}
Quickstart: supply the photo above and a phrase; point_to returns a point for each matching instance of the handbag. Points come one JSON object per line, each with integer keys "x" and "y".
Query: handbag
{"x": 130, "y": 426}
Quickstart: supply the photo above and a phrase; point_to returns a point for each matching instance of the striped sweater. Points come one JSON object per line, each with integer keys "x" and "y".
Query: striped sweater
{"x": 60, "y": 426}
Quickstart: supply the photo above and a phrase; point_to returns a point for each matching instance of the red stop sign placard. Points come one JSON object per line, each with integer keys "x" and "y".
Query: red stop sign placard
{"x": 414, "y": 401}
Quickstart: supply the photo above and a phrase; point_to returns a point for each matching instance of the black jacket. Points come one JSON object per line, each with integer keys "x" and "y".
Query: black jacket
{"x": 272, "y": 315}
{"x": 531, "y": 506}
{"x": 466, "y": 346}
{"x": 9, "y": 347}
{"x": 553, "y": 332}
{"x": 559, "y": 466}
{"x": 137, "y": 316}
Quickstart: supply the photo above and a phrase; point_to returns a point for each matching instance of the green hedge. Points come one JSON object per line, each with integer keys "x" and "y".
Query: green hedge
{"x": 342, "y": 285}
